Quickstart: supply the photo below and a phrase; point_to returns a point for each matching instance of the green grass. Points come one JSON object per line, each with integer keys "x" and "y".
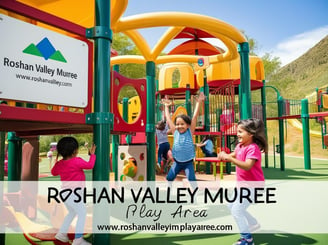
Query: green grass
{"x": 294, "y": 169}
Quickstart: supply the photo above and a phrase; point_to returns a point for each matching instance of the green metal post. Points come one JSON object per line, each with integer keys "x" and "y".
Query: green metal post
{"x": 206, "y": 105}
{"x": 228, "y": 164}
{"x": 323, "y": 132}
{"x": 188, "y": 101}
{"x": 306, "y": 133}
{"x": 125, "y": 110}
{"x": 263, "y": 100}
{"x": 2, "y": 155}
{"x": 2, "y": 159}
{"x": 274, "y": 152}
{"x": 245, "y": 101}
{"x": 14, "y": 160}
{"x": 317, "y": 91}
{"x": 150, "y": 126}
{"x": 14, "y": 157}
{"x": 102, "y": 118}
{"x": 207, "y": 118}
{"x": 281, "y": 133}
{"x": 115, "y": 142}
{"x": 158, "y": 104}
{"x": 218, "y": 114}
{"x": 275, "y": 89}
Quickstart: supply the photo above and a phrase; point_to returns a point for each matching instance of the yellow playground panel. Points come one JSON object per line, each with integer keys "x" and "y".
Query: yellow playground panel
{"x": 133, "y": 108}
{"x": 231, "y": 70}
{"x": 166, "y": 76}
{"x": 325, "y": 101}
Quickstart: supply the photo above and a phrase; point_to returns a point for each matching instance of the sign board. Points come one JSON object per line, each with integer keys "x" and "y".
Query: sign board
{"x": 202, "y": 63}
{"x": 42, "y": 66}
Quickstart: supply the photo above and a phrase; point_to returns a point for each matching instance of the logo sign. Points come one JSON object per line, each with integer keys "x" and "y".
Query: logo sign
{"x": 41, "y": 66}
{"x": 200, "y": 62}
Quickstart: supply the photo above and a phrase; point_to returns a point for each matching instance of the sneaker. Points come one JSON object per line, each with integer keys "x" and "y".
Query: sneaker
{"x": 62, "y": 237}
{"x": 80, "y": 241}
{"x": 255, "y": 227}
{"x": 243, "y": 241}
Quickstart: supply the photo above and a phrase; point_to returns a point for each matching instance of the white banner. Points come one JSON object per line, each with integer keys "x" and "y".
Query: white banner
{"x": 42, "y": 66}
{"x": 162, "y": 207}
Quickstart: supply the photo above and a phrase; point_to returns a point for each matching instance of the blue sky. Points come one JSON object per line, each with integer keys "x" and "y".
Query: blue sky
{"x": 283, "y": 28}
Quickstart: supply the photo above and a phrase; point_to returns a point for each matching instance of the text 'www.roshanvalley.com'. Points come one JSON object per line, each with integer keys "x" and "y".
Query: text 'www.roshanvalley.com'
{"x": 158, "y": 227}
{"x": 44, "y": 80}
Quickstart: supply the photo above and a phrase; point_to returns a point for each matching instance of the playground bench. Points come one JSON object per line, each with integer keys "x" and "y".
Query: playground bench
{"x": 214, "y": 160}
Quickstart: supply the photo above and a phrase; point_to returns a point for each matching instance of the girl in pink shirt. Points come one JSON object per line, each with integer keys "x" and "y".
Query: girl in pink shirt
{"x": 247, "y": 158}
{"x": 70, "y": 169}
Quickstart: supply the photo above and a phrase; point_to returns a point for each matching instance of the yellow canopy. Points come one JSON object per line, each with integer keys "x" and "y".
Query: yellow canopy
{"x": 83, "y": 13}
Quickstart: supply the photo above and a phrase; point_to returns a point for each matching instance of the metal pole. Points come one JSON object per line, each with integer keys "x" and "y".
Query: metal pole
{"x": 150, "y": 126}
{"x": 206, "y": 105}
{"x": 115, "y": 143}
{"x": 188, "y": 101}
{"x": 245, "y": 102}
{"x": 159, "y": 114}
{"x": 274, "y": 152}
{"x": 281, "y": 133}
{"x": 14, "y": 157}
{"x": 125, "y": 111}
{"x": 306, "y": 133}
{"x": 263, "y": 100}
{"x": 2, "y": 155}
{"x": 2, "y": 159}
{"x": 101, "y": 117}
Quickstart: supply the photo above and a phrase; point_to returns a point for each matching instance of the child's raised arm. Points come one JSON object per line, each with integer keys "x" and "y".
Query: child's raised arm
{"x": 200, "y": 99}
{"x": 167, "y": 103}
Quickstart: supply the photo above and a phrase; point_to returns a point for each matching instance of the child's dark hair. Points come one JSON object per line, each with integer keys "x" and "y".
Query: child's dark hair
{"x": 256, "y": 128}
{"x": 66, "y": 146}
{"x": 161, "y": 125}
{"x": 184, "y": 117}
{"x": 207, "y": 137}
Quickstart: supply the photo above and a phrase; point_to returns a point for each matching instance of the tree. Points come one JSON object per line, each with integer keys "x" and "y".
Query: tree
{"x": 124, "y": 46}
{"x": 271, "y": 65}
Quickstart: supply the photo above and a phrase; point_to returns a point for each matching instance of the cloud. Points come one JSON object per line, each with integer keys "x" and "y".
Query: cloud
{"x": 295, "y": 46}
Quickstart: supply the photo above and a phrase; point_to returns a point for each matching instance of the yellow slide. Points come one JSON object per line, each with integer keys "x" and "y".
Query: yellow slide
{"x": 297, "y": 124}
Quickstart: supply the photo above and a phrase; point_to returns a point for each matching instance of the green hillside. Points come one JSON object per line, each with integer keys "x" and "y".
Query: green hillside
{"x": 302, "y": 76}
{"x": 295, "y": 81}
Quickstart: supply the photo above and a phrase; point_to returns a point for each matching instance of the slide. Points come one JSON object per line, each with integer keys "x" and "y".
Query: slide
{"x": 297, "y": 124}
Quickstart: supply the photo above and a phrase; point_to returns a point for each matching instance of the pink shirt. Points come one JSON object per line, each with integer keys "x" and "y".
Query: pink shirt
{"x": 251, "y": 151}
{"x": 72, "y": 169}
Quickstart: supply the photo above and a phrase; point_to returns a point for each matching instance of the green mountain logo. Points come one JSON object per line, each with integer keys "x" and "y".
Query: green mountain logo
{"x": 46, "y": 50}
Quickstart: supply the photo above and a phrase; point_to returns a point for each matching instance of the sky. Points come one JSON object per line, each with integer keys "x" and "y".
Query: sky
{"x": 283, "y": 28}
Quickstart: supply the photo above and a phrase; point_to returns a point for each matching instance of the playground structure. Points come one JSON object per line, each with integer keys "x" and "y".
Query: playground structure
{"x": 226, "y": 76}
{"x": 298, "y": 113}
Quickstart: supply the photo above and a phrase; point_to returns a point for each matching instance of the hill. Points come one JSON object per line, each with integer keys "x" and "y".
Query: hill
{"x": 294, "y": 81}
{"x": 302, "y": 76}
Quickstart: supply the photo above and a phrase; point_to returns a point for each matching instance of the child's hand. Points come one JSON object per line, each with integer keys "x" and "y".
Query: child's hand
{"x": 92, "y": 149}
{"x": 223, "y": 156}
{"x": 201, "y": 97}
{"x": 166, "y": 102}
